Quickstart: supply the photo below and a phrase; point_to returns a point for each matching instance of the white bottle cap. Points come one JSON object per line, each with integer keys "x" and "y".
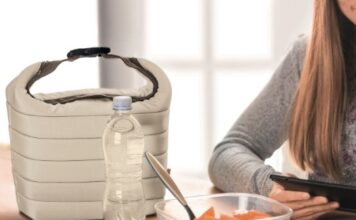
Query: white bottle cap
{"x": 122, "y": 103}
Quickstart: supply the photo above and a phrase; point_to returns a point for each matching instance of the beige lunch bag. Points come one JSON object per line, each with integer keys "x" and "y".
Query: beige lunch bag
{"x": 56, "y": 151}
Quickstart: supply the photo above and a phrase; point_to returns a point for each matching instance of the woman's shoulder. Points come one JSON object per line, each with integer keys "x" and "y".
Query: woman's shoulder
{"x": 299, "y": 49}
{"x": 294, "y": 60}
{"x": 301, "y": 42}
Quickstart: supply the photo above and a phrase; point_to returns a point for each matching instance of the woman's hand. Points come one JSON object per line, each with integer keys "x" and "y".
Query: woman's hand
{"x": 304, "y": 206}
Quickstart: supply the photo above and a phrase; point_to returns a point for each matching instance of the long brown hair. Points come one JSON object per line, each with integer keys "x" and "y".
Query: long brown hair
{"x": 318, "y": 110}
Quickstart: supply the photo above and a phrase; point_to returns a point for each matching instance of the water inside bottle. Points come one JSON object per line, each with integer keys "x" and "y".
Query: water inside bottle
{"x": 123, "y": 151}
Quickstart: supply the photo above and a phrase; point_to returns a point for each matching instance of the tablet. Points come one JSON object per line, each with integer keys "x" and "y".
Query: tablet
{"x": 344, "y": 194}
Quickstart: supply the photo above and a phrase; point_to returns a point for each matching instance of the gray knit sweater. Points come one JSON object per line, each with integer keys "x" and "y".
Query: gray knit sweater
{"x": 237, "y": 163}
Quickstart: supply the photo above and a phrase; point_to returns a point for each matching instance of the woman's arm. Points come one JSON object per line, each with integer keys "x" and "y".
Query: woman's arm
{"x": 237, "y": 163}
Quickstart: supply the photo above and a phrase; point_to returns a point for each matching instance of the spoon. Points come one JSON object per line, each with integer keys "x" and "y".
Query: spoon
{"x": 168, "y": 182}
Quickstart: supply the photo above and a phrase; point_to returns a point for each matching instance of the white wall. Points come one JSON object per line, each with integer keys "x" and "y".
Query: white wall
{"x": 183, "y": 37}
{"x": 39, "y": 30}
{"x": 121, "y": 29}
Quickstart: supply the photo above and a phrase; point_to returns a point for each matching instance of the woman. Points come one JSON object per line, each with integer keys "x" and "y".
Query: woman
{"x": 311, "y": 101}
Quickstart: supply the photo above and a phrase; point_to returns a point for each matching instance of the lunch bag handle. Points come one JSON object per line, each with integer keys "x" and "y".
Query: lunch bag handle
{"x": 49, "y": 66}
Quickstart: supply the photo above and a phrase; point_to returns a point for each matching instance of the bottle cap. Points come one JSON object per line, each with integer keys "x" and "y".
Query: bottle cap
{"x": 122, "y": 103}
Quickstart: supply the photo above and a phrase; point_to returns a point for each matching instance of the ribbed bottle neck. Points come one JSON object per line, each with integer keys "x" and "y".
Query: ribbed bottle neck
{"x": 122, "y": 112}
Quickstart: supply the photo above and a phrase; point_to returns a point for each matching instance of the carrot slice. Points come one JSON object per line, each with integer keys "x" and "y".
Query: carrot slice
{"x": 247, "y": 215}
{"x": 251, "y": 215}
{"x": 226, "y": 217}
{"x": 208, "y": 214}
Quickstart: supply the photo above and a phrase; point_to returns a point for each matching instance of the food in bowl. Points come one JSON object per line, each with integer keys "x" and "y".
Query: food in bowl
{"x": 226, "y": 206}
{"x": 239, "y": 215}
{"x": 251, "y": 215}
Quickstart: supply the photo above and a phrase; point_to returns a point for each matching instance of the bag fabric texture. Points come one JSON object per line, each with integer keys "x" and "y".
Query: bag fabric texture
{"x": 55, "y": 138}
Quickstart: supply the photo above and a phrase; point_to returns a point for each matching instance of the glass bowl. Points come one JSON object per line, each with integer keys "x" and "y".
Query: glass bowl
{"x": 223, "y": 203}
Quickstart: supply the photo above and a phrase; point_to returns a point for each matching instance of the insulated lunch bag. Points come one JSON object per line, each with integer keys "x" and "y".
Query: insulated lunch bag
{"x": 55, "y": 138}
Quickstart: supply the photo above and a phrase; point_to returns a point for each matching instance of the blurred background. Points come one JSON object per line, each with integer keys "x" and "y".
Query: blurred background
{"x": 218, "y": 55}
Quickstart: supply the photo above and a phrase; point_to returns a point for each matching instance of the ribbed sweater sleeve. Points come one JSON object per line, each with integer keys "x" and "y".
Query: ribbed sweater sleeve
{"x": 237, "y": 163}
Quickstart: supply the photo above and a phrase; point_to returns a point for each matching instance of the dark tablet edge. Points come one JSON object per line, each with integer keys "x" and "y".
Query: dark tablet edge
{"x": 312, "y": 182}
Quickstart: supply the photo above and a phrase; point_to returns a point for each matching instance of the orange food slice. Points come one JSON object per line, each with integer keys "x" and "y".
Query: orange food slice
{"x": 248, "y": 215}
{"x": 251, "y": 215}
{"x": 226, "y": 217}
{"x": 208, "y": 215}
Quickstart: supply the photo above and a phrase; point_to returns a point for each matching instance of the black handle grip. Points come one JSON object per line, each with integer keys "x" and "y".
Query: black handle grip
{"x": 88, "y": 52}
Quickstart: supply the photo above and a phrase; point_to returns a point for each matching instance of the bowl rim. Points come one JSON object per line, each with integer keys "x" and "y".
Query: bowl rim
{"x": 288, "y": 213}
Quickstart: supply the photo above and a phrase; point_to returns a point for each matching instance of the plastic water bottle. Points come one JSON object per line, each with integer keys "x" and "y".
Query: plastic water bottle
{"x": 123, "y": 147}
